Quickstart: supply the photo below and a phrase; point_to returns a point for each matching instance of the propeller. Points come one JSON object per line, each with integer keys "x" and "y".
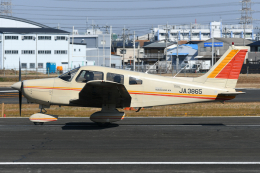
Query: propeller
{"x": 21, "y": 89}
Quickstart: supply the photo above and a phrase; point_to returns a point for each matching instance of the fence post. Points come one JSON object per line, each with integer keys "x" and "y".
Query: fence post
{"x": 247, "y": 70}
{"x": 3, "y": 107}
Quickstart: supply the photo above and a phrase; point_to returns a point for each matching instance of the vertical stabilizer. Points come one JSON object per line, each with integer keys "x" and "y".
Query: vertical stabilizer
{"x": 226, "y": 71}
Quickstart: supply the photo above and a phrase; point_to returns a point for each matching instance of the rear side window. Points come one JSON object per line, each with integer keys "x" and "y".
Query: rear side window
{"x": 86, "y": 76}
{"x": 135, "y": 81}
{"x": 115, "y": 78}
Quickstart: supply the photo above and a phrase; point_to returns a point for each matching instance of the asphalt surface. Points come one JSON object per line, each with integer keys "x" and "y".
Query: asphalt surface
{"x": 223, "y": 139}
{"x": 10, "y": 96}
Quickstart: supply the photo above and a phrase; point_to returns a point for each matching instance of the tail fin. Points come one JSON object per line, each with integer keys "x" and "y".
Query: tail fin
{"x": 226, "y": 71}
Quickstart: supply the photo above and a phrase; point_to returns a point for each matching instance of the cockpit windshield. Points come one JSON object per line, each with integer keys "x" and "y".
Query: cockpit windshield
{"x": 69, "y": 75}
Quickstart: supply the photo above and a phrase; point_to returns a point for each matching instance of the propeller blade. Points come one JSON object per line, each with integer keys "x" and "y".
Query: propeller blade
{"x": 20, "y": 75}
{"x": 20, "y": 92}
{"x": 20, "y": 99}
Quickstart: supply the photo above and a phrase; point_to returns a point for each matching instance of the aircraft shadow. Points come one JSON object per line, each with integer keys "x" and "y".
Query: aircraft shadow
{"x": 199, "y": 124}
{"x": 85, "y": 126}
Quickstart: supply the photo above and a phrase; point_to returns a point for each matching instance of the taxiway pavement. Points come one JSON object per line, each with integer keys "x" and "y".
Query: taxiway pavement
{"x": 217, "y": 140}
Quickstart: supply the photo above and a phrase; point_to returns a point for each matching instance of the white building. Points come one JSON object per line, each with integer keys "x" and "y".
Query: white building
{"x": 36, "y": 44}
{"x": 203, "y": 32}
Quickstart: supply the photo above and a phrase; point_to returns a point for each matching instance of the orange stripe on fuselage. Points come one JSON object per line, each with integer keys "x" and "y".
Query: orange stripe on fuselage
{"x": 196, "y": 96}
{"x": 56, "y": 88}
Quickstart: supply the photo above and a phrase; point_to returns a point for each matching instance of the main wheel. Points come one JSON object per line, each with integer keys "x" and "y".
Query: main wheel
{"x": 103, "y": 124}
{"x": 38, "y": 123}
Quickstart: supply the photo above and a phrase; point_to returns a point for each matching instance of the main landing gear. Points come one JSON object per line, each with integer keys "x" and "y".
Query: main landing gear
{"x": 41, "y": 118}
{"x": 107, "y": 115}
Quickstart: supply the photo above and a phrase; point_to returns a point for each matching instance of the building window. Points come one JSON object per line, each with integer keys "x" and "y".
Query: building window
{"x": 44, "y": 37}
{"x": 32, "y": 65}
{"x": 11, "y": 51}
{"x": 60, "y": 52}
{"x": 64, "y": 63}
{"x": 40, "y": 65}
{"x": 11, "y": 37}
{"x": 60, "y": 38}
{"x": 162, "y": 34}
{"x": 44, "y": 51}
{"x": 27, "y": 37}
{"x": 205, "y": 34}
{"x": 79, "y": 50}
{"x": 28, "y": 51}
{"x": 74, "y": 50}
{"x": 203, "y": 49}
{"x": 24, "y": 65}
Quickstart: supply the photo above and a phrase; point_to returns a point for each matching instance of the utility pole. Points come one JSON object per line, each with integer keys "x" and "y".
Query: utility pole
{"x": 104, "y": 60}
{"x": 212, "y": 46}
{"x": 72, "y": 47}
{"x": 106, "y": 27}
{"x": 124, "y": 47}
{"x": 134, "y": 50}
{"x": 177, "y": 58}
{"x": 166, "y": 39}
{"x": 110, "y": 46}
{"x": 124, "y": 39}
{"x": 190, "y": 31}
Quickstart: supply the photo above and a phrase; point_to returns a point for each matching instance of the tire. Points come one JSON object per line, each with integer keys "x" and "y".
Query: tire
{"x": 38, "y": 123}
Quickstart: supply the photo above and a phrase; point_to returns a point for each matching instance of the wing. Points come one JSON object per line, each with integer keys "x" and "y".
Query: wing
{"x": 97, "y": 93}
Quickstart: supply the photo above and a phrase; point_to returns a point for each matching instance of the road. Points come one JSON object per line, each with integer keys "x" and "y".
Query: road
{"x": 221, "y": 141}
{"x": 252, "y": 95}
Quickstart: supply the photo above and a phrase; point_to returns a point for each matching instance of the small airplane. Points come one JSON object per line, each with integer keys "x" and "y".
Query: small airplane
{"x": 110, "y": 88}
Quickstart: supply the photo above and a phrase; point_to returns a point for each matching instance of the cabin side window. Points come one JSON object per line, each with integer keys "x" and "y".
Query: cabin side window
{"x": 86, "y": 76}
{"x": 135, "y": 81}
{"x": 69, "y": 75}
{"x": 118, "y": 78}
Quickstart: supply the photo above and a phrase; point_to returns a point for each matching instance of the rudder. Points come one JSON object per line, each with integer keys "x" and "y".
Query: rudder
{"x": 226, "y": 71}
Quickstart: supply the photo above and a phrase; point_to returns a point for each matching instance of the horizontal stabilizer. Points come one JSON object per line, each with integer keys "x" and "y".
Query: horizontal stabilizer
{"x": 231, "y": 93}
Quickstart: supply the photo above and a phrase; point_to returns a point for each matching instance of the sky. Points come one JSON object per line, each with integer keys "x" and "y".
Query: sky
{"x": 136, "y": 15}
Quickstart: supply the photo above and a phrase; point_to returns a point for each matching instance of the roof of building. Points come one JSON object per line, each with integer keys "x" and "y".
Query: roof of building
{"x": 193, "y": 46}
{"x": 237, "y": 41}
{"x": 119, "y": 44}
{"x": 157, "y": 45}
{"x": 194, "y": 42}
{"x": 257, "y": 43}
{"x": 183, "y": 50}
{"x": 141, "y": 42}
{"x": 32, "y": 30}
{"x": 24, "y": 20}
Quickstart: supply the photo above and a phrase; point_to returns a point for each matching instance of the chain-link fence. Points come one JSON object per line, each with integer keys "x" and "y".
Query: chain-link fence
{"x": 161, "y": 67}
{"x": 32, "y": 72}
